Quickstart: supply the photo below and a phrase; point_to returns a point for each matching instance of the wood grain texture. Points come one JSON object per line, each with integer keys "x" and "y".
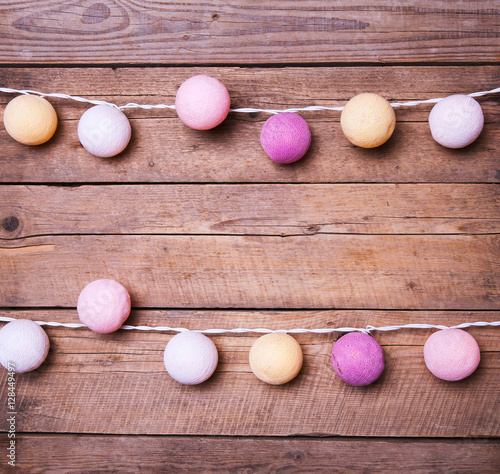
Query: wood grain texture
{"x": 124, "y": 32}
{"x": 309, "y": 271}
{"x": 250, "y": 209}
{"x": 164, "y": 150}
{"x": 117, "y": 383}
{"x": 68, "y": 453}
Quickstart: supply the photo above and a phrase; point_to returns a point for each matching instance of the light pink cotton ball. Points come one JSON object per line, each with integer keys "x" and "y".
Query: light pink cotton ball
{"x": 103, "y": 305}
{"x": 24, "y": 344}
{"x": 104, "y": 131}
{"x": 456, "y": 121}
{"x": 451, "y": 354}
{"x": 190, "y": 358}
{"x": 202, "y": 102}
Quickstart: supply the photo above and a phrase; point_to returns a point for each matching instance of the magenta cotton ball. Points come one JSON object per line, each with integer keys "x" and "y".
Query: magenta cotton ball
{"x": 451, "y": 354}
{"x": 202, "y": 102}
{"x": 24, "y": 345}
{"x": 358, "y": 359}
{"x": 456, "y": 121}
{"x": 190, "y": 357}
{"x": 104, "y": 131}
{"x": 103, "y": 305}
{"x": 285, "y": 137}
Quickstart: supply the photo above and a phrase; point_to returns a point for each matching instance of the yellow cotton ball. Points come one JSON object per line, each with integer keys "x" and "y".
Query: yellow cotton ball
{"x": 276, "y": 358}
{"x": 368, "y": 120}
{"x": 30, "y": 120}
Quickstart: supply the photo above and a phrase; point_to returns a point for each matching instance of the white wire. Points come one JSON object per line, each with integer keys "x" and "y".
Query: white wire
{"x": 133, "y": 105}
{"x": 366, "y": 329}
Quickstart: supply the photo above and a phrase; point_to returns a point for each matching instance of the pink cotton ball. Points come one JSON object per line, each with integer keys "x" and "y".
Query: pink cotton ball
{"x": 103, "y": 305}
{"x": 285, "y": 137}
{"x": 202, "y": 102}
{"x": 451, "y": 354}
{"x": 456, "y": 121}
{"x": 358, "y": 359}
{"x": 24, "y": 345}
{"x": 104, "y": 131}
{"x": 190, "y": 358}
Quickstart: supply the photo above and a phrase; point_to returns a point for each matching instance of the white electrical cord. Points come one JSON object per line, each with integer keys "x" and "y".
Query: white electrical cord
{"x": 133, "y": 105}
{"x": 367, "y": 329}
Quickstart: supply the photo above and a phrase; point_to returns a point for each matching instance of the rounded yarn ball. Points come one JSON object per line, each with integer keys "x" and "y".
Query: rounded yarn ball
{"x": 190, "y": 358}
{"x": 24, "y": 344}
{"x": 30, "y": 120}
{"x": 358, "y": 359}
{"x": 285, "y": 137}
{"x": 202, "y": 102}
{"x": 451, "y": 354}
{"x": 103, "y": 305}
{"x": 456, "y": 121}
{"x": 276, "y": 358}
{"x": 368, "y": 120}
{"x": 104, "y": 131}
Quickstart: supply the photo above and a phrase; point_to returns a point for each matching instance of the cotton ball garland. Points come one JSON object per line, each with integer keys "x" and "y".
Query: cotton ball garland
{"x": 103, "y": 305}
{"x": 24, "y": 344}
{"x": 30, "y": 120}
{"x": 456, "y": 121}
{"x": 202, "y": 102}
{"x": 451, "y": 354}
{"x": 358, "y": 359}
{"x": 285, "y": 137}
{"x": 190, "y": 358}
{"x": 104, "y": 131}
{"x": 368, "y": 120}
{"x": 276, "y": 358}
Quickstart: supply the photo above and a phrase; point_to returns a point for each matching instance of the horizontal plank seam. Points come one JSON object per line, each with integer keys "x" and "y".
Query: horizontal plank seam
{"x": 279, "y": 236}
{"x": 405, "y": 439}
{"x": 233, "y": 309}
{"x": 252, "y": 65}
{"x": 76, "y": 184}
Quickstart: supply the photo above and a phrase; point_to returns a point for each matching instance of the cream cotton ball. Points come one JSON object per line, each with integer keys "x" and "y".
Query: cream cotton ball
{"x": 276, "y": 358}
{"x": 30, "y": 120}
{"x": 368, "y": 120}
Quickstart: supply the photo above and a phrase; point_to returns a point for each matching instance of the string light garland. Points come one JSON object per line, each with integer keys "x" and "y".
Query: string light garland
{"x": 192, "y": 358}
{"x": 202, "y": 103}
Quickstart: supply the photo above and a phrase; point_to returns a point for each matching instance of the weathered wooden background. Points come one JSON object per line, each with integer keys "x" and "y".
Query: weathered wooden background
{"x": 205, "y": 231}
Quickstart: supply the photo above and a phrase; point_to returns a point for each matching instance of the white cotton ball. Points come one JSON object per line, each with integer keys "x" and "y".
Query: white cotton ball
{"x": 104, "y": 131}
{"x": 24, "y": 344}
{"x": 190, "y": 358}
{"x": 456, "y": 121}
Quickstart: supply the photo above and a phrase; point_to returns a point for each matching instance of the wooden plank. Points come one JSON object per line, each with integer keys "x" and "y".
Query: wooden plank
{"x": 228, "y": 454}
{"x": 164, "y": 150}
{"x": 247, "y": 33}
{"x": 310, "y": 271}
{"x": 249, "y": 209}
{"x": 117, "y": 384}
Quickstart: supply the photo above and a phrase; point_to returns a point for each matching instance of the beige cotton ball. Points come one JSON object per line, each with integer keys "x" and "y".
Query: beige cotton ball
{"x": 30, "y": 120}
{"x": 276, "y": 358}
{"x": 368, "y": 120}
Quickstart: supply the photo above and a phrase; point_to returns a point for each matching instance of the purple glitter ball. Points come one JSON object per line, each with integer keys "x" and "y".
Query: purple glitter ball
{"x": 358, "y": 359}
{"x": 285, "y": 137}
